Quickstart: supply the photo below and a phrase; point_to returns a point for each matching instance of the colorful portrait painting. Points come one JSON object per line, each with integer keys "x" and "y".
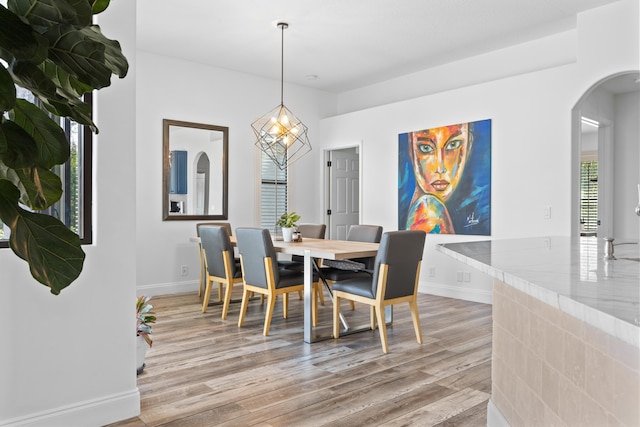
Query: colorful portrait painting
{"x": 444, "y": 179}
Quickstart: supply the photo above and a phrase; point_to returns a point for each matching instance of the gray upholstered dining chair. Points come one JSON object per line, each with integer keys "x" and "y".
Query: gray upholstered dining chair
{"x": 220, "y": 266}
{"x": 344, "y": 269}
{"x": 340, "y": 270}
{"x": 395, "y": 280}
{"x": 202, "y": 267}
{"x": 261, "y": 274}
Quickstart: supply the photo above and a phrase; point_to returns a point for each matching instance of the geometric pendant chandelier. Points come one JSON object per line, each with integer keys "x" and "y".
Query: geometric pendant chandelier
{"x": 279, "y": 133}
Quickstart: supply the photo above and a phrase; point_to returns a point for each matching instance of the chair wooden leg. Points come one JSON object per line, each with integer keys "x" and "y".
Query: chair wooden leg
{"x": 416, "y": 320}
{"x": 271, "y": 302}
{"x": 243, "y": 306}
{"x": 318, "y": 286}
{"x": 202, "y": 278}
{"x": 336, "y": 316}
{"x": 207, "y": 295}
{"x": 285, "y": 305}
{"x": 227, "y": 300}
{"x": 372, "y": 317}
{"x": 382, "y": 327}
{"x": 219, "y": 292}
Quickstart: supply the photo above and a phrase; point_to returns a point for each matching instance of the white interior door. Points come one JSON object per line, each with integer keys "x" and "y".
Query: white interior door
{"x": 344, "y": 191}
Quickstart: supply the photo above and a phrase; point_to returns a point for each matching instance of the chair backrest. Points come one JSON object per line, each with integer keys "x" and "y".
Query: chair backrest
{"x": 219, "y": 224}
{"x": 401, "y": 251}
{"x": 365, "y": 233}
{"x": 214, "y": 240}
{"x": 311, "y": 231}
{"x": 254, "y": 244}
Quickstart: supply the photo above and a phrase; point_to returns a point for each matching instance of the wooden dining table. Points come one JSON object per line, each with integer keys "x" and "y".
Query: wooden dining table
{"x": 325, "y": 249}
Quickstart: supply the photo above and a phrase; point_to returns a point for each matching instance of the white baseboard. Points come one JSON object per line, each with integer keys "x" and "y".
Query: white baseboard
{"x": 168, "y": 288}
{"x": 495, "y": 417}
{"x": 458, "y": 292}
{"x": 97, "y": 412}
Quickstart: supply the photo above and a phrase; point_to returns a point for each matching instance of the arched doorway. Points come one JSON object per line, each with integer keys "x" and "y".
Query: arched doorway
{"x": 605, "y": 133}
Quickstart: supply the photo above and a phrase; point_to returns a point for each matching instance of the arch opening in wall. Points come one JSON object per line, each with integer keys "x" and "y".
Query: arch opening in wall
{"x": 604, "y": 130}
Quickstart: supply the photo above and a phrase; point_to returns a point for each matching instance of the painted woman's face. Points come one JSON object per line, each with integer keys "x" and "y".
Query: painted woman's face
{"x": 439, "y": 158}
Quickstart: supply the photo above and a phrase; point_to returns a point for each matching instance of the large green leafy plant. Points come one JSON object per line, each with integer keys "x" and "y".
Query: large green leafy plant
{"x": 51, "y": 48}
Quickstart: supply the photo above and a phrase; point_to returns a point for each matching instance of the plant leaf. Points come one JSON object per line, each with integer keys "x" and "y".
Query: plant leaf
{"x": 98, "y": 6}
{"x": 39, "y": 188}
{"x": 7, "y": 90}
{"x": 68, "y": 86}
{"x": 52, "y": 144}
{"x": 53, "y": 251}
{"x": 79, "y": 55}
{"x": 32, "y": 77}
{"x": 114, "y": 59}
{"x": 18, "y": 40}
{"x": 17, "y": 148}
{"x": 46, "y": 13}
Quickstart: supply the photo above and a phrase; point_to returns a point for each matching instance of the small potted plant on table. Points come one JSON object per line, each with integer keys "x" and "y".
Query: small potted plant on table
{"x": 288, "y": 221}
{"x": 144, "y": 341}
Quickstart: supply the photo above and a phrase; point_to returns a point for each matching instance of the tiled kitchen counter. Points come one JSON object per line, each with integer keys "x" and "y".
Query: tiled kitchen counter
{"x": 566, "y": 338}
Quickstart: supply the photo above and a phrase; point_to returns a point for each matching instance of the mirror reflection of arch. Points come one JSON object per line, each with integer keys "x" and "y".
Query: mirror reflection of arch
{"x": 195, "y": 170}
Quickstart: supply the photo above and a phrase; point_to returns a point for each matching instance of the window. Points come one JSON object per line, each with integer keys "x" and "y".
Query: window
{"x": 588, "y": 197}
{"x": 273, "y": 192}
{"x": 74, "y": 207}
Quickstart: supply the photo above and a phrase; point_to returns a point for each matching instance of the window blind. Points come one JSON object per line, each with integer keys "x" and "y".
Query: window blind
{"x": 273, "y": 193}
{"x": 589, "y": 196}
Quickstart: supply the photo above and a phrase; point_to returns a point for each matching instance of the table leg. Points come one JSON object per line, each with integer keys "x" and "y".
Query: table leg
{"x": 308, "y": 295}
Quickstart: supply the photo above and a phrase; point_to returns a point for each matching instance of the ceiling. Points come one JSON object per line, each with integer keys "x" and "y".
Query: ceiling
{"x": 345, "y": 44}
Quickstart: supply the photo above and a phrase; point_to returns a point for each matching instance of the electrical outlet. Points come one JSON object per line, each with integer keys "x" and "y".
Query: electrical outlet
{"x": 184, "y": 270}
{"x": 459, "y": 276}
{"x": 466, "y": 276}
{"x": 432, "y": 272}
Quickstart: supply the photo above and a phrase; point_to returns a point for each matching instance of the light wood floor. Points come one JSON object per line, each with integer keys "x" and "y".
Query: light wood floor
{"x": 203, "y": 371}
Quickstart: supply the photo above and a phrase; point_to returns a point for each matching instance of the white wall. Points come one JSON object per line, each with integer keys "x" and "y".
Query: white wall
{"x": 551, "y": 51}
{"x": 526, "y": 128}
{"x": 69, "y": 360}
{"x": 181, "y": 90}
{"x": 531, "y": 138}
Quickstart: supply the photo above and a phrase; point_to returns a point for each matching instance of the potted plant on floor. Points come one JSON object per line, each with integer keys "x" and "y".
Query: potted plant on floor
{"x": 144, "y": 341}
{"x": 288, "y": 221}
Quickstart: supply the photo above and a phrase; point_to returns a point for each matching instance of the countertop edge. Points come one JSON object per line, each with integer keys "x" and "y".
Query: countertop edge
{"x": 613, "y": 326}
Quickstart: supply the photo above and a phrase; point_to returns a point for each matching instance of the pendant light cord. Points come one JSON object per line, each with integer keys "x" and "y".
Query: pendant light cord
{"x": 283, "y": 26}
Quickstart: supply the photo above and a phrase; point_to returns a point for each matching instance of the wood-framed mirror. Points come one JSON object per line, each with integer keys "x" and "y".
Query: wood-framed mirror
{"x": 194, "y": 171}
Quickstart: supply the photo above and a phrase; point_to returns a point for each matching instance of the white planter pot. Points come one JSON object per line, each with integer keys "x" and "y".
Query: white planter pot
{"x": 287, "y": 233}
{"x": 141, "y": 353}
